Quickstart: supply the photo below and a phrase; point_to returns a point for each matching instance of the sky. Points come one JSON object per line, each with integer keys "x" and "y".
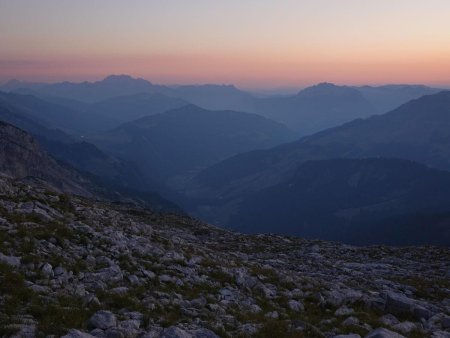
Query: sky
{"x": 249, "y": 43}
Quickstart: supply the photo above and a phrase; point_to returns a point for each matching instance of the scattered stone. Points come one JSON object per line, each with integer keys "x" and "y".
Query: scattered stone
{"x": 175, "y": 332}
{"x": 440, "y": 334}
{"x": 350, "y": 321}
{"x": 295, "y": 305}
{"x": 272, "y": 315}
{"x": 133, "y": 279}
{"x": 344, "y": 311}
{"x": 121, "y": 290}
{"x": 384, "y": 333}
{"x": 114, "y": 333}
{"x": 179, "y": 270}
{"x": 249, "y": 329}
{"x": 397, "y": 303}
{"x": 59, "y": 271}
{"x": 77, "y": 334}
{"x": 445, "y": 322}
{"x": 103, "y": 320}
{"x": 420, "y": 312}
{"x": 10, "y": 260}
{"x": 47, "y": 270}
{"x": 405, "y": 327}
{"x": 389, "y": 320}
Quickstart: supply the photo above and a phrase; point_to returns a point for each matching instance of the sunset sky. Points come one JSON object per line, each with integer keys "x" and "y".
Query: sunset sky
{"x": 251, "y": 43}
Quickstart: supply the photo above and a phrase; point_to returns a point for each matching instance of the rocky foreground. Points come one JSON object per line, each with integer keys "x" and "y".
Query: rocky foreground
{"x": 74, "y": 267}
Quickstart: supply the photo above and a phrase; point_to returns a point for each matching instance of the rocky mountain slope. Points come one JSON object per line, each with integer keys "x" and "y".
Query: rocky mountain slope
{"x": 70, "y": 149}
{"x": 22, "y": 157}
{"x": 12, "y": 115}
{"x": 75, "y": 267}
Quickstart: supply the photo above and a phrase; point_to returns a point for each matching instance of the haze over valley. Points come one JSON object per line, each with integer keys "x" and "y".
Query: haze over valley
{"x": 225, "y": 169}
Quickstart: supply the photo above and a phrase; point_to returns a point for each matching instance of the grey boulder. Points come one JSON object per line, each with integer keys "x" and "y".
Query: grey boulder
{"x": 103, "y": 320}
{"x": 383, "y": 333}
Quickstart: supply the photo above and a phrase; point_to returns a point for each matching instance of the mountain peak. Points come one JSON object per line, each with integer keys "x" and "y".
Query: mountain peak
{"x": 326, "y": 85}
{"x": 122, "y": 78}
{"x": 117, "y": 77}
{"x": 326, "y": 88}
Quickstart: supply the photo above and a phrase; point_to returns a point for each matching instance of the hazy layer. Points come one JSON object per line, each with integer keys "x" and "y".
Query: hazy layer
{"x": 253, "y": 43}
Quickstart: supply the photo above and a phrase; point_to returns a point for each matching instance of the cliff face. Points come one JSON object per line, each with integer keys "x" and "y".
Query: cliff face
{"x": 22, "y": 157}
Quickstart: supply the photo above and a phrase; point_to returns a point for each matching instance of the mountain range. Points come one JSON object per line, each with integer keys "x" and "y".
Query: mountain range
{"x": 310, "y": 110}
{"x": 316, "y": 108}
{"x": 190, "y": 138}
{"x": 23, "y": 158}
{"x": 417, "y": 131}
{"x": 130, "y": 140}
{"x": 90, "y": 92}
{"x": 121, "y": 109}
{"x": 46, "y": 121}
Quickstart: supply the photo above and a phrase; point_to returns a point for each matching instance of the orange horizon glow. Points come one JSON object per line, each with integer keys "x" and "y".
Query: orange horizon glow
{"x": 243, "y": 73}
{"x": 252, "y": 44}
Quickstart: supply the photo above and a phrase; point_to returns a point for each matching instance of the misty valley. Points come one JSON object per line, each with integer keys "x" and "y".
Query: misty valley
{"x": 130, "y": 209}
{"x": 331, "y": 162}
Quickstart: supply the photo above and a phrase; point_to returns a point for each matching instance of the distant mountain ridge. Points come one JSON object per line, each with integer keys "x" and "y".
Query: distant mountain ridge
{"x": 310, "y": 110}
{"x": 388, "y": 97}
{"x": 111, "y": 86}
{"x": 189, "y": 138}
{"x": 316, "y": 108}
{"x": 121, "y": 109}
{"x": 216, "y": 97}
{"x": 417, "y": 131}
{"x": 235, "y": 168}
